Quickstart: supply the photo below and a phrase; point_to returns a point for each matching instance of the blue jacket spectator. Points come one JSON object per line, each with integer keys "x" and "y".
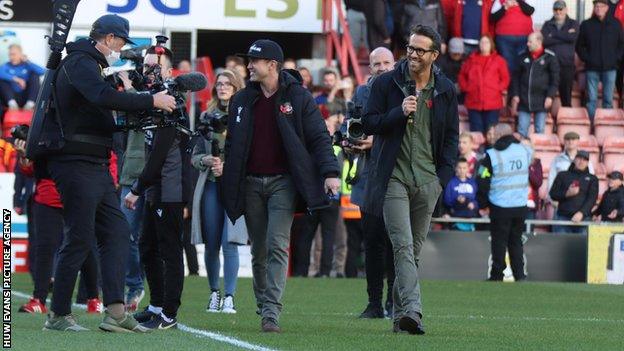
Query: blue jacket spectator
{"x": 19, "y": 80}
{"x": 460, "y": 195}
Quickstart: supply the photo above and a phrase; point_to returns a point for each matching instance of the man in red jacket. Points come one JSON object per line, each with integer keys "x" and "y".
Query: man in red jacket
{"x": 512, "y": 25}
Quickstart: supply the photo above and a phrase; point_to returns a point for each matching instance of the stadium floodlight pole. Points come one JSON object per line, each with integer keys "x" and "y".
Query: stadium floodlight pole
{"x": 63, "y": 14}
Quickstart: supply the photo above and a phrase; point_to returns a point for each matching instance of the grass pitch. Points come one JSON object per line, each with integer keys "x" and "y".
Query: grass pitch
{"x": 321, "y": 314}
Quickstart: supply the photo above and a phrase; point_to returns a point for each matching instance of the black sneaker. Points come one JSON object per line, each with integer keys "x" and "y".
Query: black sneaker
{"x": 412, "y": 323}
{"x": 144, "y": 316}
{"x": 158, "y": 322}
{"x": 372, "y": 311}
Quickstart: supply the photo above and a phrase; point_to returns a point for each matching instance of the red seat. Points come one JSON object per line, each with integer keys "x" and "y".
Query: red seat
{"x": 601, "y": 174}
{"x": 13, "y": 118}
{"x": 545, "y": 142}
{"x": 573, "y": 119}
{"x": 546, "y": 157}
{"x": 613, "y": 153}
{"x": 608, "y": 122}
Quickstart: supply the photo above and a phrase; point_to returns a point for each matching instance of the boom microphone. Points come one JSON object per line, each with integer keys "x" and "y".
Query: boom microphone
{"x": 193, "y": 81}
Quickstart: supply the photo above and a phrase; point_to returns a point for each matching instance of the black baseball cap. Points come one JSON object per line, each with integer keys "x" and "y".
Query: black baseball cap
{"x": 265, "y": 49}
{"x": 113, "y": 24}
{"x": 616, "y": 175}
{"x": 584, "y": 154}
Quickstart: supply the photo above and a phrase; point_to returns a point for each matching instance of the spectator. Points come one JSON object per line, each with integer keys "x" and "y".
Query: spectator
{"x": 331, "y": 87}
{"x": 484, "y": 77}
{"x": 209, "y": 225}
{"x": 535, "y": 182}
{"x": 611, "y": 208}
{"x": 563, "y": 161}
{"x": 560, "y": 33}
{"x": 290, "y": 63}
{"x": 503, "y": 178}
{"x": 576, "y": 190}
{"x": 376, "y": 27}
{"x": 451, "y": 62}
{"x": 600, "y": 46}
{"x": 466, "y": 152}
{"x": 471, "y": 21}
{"x": 357, "y": 23}
{"x": 617, "y": 11}
{"x": 423, "y": 12}
{"x": 19, "y": 80}
{"x": 307, "y": 83}
{"x": 512, "y": 25}
{"x": 236, "y": 64}
{"x": 348, "y": 88}
{"x": 460, "y": 195}
{"x": 534, "y": 85}
{"x": 185, "y": 66}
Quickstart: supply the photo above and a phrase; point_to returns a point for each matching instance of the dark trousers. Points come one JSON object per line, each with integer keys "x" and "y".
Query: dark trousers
{"x": 379, "y": 258}
{"x": 160, "y": 247}
{"x": 480, "y": 121}
{"x": 189, "y": 249}
{"x": 29, "y": 94}
{"x": 566, "y": 81}
{"x": 91, "y": 214}
{"x": 328, "y": 218}
{"x": 355, "y": 236}
{"x": 506, "y": 234}
{"x": 49, "y": 229}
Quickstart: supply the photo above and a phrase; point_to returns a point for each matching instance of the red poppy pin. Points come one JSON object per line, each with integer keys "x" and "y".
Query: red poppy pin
{"x": 286, "y": 108}
{"x": 429, "y": 104}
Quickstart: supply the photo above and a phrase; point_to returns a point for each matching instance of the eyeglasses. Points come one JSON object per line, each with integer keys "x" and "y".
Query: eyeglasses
{"x": 223, "y": 85}
{"x": 420, "y": 52}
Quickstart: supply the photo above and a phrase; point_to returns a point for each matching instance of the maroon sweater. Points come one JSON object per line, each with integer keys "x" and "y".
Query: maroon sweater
{"x": 267, "y": 155}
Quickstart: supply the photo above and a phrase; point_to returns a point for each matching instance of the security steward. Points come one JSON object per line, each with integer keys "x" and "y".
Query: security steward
{"x": 503, "y": 180}
{"x": 80, "y": 170}
{"x": 165, "y": 183}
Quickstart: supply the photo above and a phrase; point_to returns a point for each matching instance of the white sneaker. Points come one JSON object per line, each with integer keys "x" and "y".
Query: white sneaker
{"x": 13, "y": 105}
{"x": 228, "y": 305}
{"x": 29, "y": 105}
{"x": 213, "y": 304}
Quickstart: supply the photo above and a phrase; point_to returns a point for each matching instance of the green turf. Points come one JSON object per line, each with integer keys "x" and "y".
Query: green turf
{"x": 321, "y": 314}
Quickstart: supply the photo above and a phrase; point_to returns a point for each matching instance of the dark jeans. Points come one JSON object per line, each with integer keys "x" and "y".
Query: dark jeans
{"x": 355, "y": 237}
{"x": 29, "y": 94}
{"x": 379, "y": 259}
{"x": 506, "y": 234}
{"x": 510, "y": 47}
{"x": 91, "y": 214}
{"x": 566, "y": 81}
{"x": 567, "y": 229}
{"x": 480, "y": 121}
{"x": 134, "y": 271}
{"x": 269, "y": 212}
{"x": 328, "y": 218}
{"x": 161, "y": 254}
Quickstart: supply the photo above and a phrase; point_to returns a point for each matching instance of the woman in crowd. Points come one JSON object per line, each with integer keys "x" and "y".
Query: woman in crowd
{"x": 209, "y": 220}
{"x": 483, "y": 78}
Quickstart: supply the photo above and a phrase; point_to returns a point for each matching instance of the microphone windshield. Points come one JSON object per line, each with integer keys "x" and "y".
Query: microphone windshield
{"x": 193, "y": 81}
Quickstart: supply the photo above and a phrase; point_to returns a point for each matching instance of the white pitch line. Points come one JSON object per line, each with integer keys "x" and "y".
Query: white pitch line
{"x": 197, "y": 332}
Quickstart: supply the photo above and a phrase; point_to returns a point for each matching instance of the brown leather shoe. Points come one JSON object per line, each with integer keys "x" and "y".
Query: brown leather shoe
{"x": 412, "y": 323}
{"x": 269, "y": 325}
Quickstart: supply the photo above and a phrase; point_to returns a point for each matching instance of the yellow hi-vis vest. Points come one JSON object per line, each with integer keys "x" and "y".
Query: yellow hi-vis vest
{"x": 349, "y": 210}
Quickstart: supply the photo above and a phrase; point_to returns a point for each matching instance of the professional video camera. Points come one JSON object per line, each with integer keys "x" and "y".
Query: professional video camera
{"x": 149, "y": 80}
{"x": 210, "y": 123}
{"x": 352, "y": 131}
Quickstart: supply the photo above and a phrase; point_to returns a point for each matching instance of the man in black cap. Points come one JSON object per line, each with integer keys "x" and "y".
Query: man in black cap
{"x": 611, "y": 208}
{"x": 277, "y": 147}
{"x": 576, "y": 190}
{"x": 80, "y": 170}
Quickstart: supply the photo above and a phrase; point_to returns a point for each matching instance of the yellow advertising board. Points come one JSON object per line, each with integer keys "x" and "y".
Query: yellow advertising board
{"x": 605, "y": 254}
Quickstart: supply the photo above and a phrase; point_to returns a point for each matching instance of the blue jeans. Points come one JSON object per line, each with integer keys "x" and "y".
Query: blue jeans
{"x": 563, "y": 229}
{"x": 215, "y": 237}
{"x": 510, "y": 47}
{"x": 607, "y": 78}
{"x": 134, "y": 272}
{"x": 480, "y": 121}
{"x": 524, "y": 121}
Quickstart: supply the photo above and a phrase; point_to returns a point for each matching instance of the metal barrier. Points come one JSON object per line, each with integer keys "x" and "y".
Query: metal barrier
{"x": 529, "y": 222}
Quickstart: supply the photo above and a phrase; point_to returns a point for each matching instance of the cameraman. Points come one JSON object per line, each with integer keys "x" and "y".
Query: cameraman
{"x": 379, "y": 259}
{"x": 80, "y": 170}
{"x": 165, "y": 183}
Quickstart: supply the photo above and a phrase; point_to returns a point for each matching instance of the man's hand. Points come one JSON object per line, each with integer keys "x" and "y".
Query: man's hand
{"x": 548, "y": 103}
{"x": 365, "y": 144}
{"x": 409, "y": 105}
{"x": 207, "y": 160}
{"x": 20, "y": 146}
{"x": 130, "y": 201}
{"x": 573, "y": 190}
{"x": 185, "y": 213}
{"x": 162, "y": 101}
{"x": 577, "y": 217}
{"x": 125, "y": 79}
{"x": 613, "y": 214}
{"x": 332, "y": 186}
{"x": 217, "y": 169}
{"x": 20, "y": 82}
